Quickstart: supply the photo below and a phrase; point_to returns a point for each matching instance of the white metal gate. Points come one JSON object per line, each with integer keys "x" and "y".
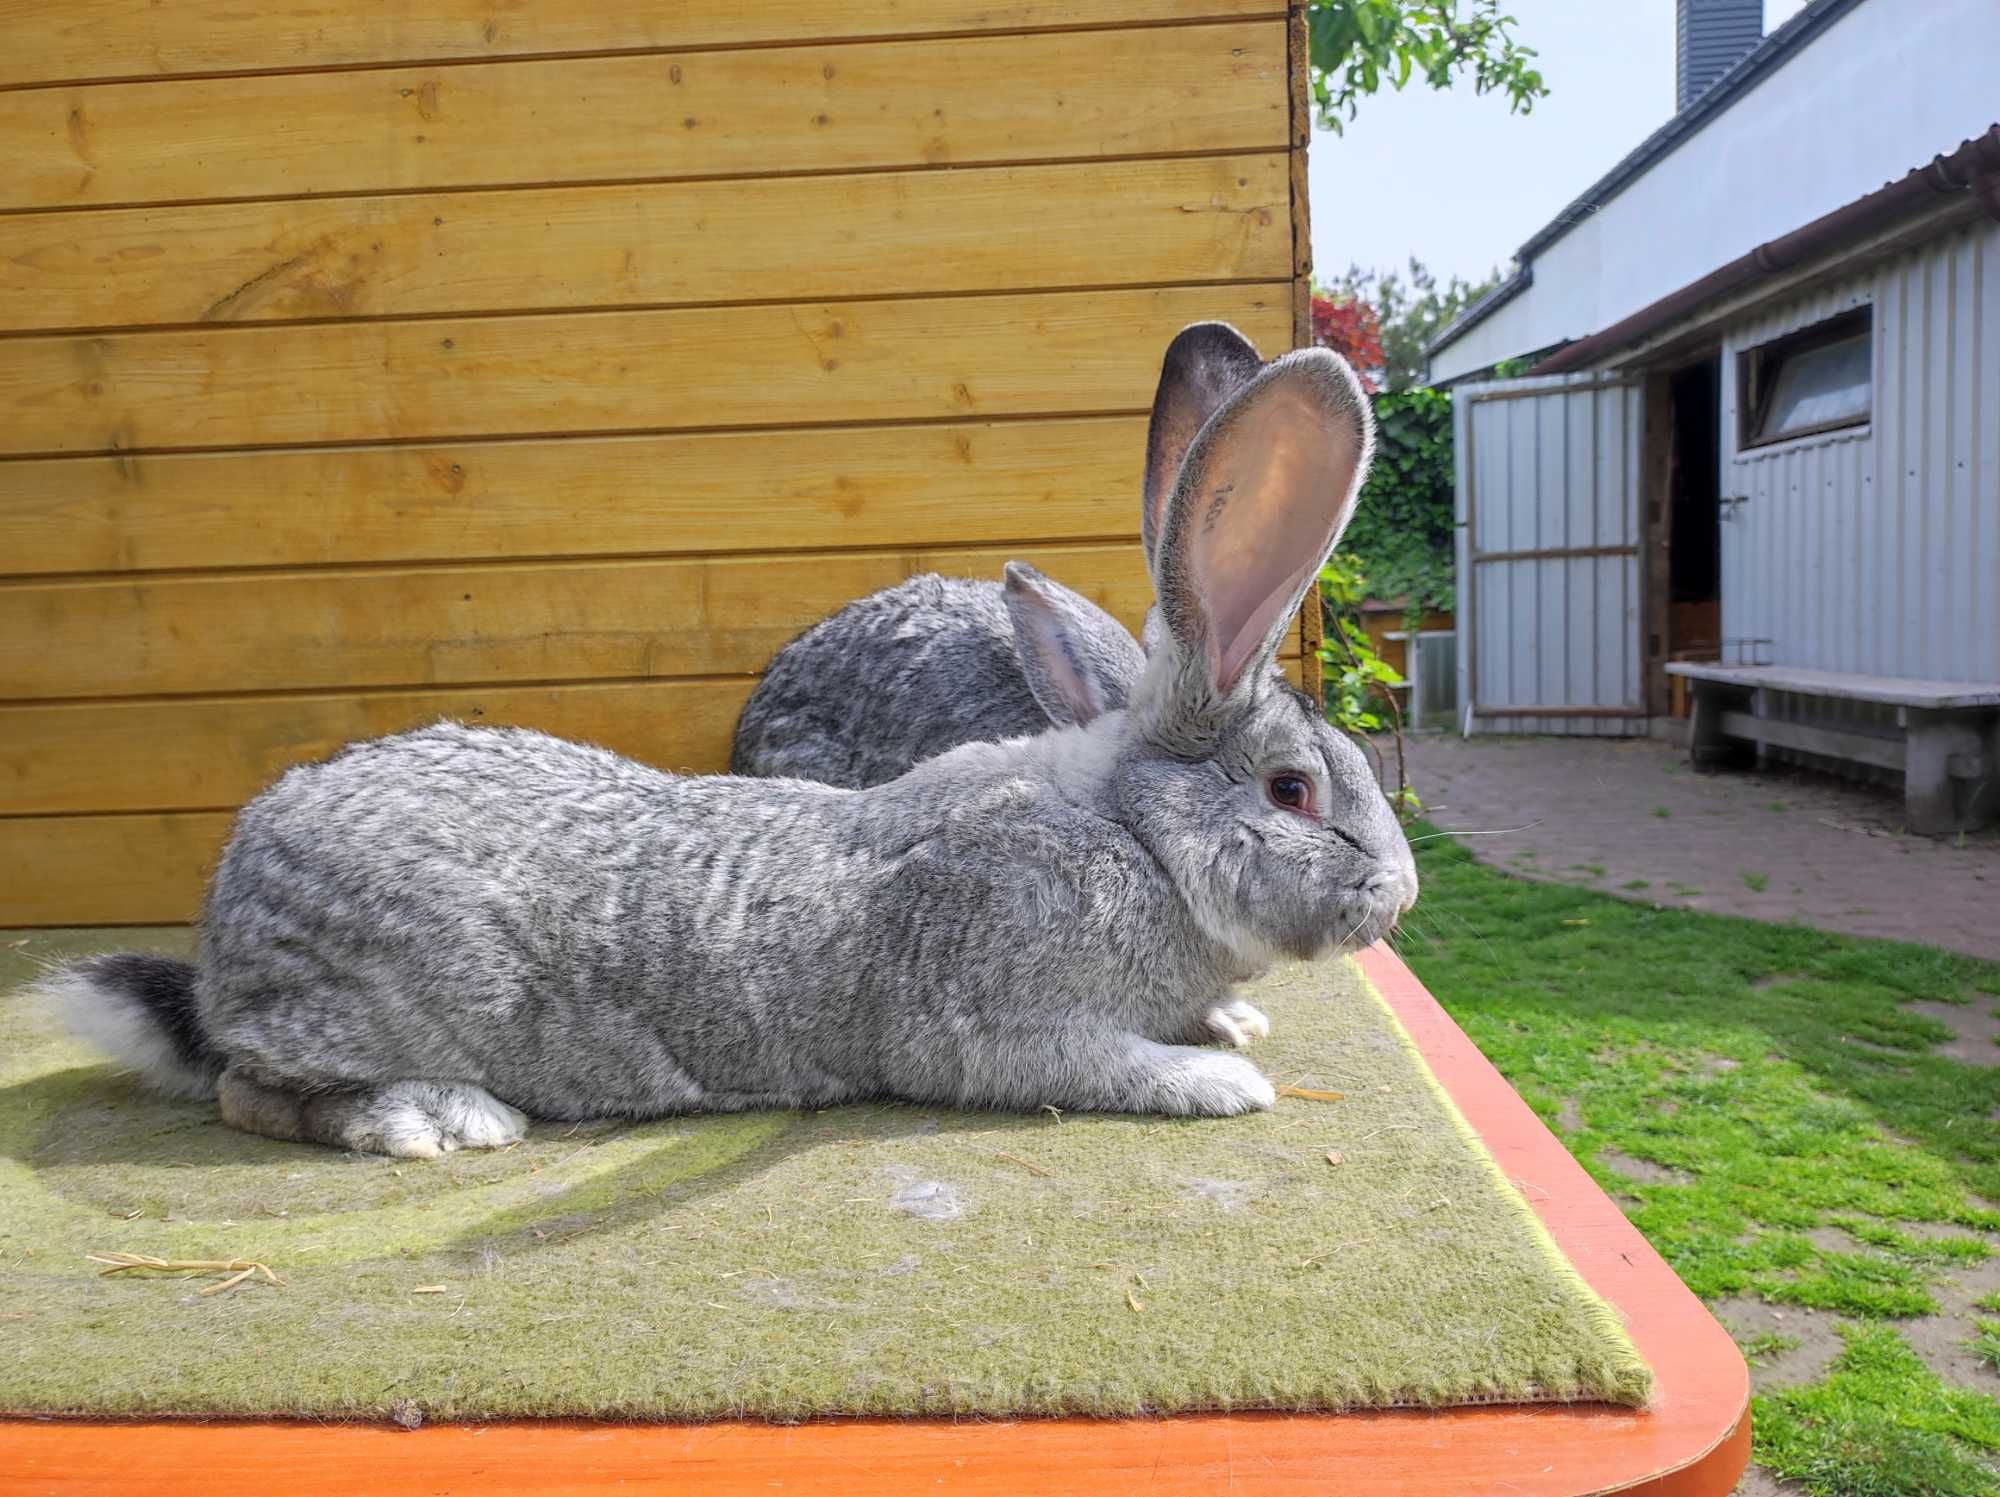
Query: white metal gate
{"x": 1549, "y": 605}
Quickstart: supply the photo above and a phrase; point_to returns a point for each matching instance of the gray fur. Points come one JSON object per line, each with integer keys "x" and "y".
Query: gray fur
{"x": 138, "y": 1008}
{"x": 900, "y": 676}
{"x": 913, "y": 670}
{"x": 410, "y": 940}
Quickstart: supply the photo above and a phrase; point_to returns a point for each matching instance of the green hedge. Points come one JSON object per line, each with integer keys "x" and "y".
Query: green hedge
{"x": 1401, "y": 537}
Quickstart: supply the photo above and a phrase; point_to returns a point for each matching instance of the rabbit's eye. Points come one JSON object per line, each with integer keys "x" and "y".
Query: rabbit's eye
{"x": 1293, "y": 792}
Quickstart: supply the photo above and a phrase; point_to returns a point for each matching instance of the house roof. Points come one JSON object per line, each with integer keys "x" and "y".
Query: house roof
{"x": 1750, "y": 70}
{"x": 1973, "y": 168}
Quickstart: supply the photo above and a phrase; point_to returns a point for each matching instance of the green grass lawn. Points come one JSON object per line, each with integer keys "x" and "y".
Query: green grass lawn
{"x": 1772, "y": 1076}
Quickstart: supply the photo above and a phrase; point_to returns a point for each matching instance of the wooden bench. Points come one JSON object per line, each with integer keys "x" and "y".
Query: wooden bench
{"x": 1948, "y": 751}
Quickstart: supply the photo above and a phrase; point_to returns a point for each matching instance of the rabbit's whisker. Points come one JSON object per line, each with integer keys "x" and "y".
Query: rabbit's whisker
{"x": 1504, "y": 831}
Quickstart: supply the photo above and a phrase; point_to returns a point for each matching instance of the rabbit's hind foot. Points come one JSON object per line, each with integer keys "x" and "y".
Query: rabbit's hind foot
{"x": 405, "y": 1119}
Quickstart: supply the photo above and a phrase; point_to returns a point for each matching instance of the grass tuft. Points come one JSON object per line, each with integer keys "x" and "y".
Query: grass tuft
{"x": 1919, "y": 1249}
{"x": 1880, "y": 1424}
{"x": 1765, "y": 1345}
{"x": 1853, "y": 1284}
{"x": 1985, "y": 1344}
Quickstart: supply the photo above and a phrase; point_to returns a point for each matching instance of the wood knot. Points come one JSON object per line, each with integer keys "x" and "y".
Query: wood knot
{"x": 448, "y": 476}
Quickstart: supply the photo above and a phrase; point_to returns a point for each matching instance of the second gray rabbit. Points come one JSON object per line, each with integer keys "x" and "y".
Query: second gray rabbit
{"x": 415, "y": 945}
{"x": 921, "y": 667}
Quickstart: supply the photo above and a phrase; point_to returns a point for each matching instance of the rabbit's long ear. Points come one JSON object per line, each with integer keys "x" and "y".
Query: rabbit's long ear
{"x": 1080, "y": 662}
{"x": 1264, "y": 492}
{"x": 1205, "y": 364}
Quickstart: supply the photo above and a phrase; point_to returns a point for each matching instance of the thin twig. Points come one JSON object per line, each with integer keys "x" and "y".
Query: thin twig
{"x": 1401, "y": 800}
{"x": 1027, "y": 1164}
{"x": 238, "y": 1269}
{"x": 1310, "y": 1095}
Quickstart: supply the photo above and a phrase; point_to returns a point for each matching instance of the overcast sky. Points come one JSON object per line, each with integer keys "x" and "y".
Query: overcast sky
{"x": 1460, "y": 183}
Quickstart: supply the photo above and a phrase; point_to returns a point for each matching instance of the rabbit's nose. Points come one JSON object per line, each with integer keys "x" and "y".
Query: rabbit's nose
{"x": 1399, "y": 884}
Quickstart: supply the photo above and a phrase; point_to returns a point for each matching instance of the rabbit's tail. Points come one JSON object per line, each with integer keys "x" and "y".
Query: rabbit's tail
{"x": 138, "y": 1007}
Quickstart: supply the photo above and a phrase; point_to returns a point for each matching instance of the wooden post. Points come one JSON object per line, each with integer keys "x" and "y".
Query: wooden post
{"x": 1312, "y": 680}
{"x": 1656, "y": 539}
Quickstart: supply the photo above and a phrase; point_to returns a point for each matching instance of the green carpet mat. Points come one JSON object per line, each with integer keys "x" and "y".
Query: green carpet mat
{"x": 879, "y": 1260}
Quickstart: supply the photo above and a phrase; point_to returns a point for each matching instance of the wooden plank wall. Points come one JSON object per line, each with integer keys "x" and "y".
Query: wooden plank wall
{"x": 554, "y": 364}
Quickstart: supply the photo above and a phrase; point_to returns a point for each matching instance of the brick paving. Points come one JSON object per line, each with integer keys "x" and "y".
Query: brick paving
{"x": 1629, "y": 817}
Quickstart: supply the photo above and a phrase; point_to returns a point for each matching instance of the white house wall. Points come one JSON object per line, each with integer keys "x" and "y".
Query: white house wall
{"x": 1881, "y": 90}
{"x": 1877, "y": 550}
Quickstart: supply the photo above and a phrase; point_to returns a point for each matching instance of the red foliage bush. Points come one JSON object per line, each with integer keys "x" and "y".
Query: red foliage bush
{"x": 1347, "y": 325}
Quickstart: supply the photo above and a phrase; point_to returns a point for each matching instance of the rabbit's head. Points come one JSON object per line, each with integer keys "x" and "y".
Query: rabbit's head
{"x": 1266, "y": 817}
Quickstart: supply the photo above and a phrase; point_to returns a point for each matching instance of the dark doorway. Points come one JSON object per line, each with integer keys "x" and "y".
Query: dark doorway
{"x": 1694, "y": 511}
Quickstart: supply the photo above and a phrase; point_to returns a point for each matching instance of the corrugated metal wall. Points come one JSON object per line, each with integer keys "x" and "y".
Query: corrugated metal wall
{"x": 1877, "y": 550}
{"x": 1549, "y": 466}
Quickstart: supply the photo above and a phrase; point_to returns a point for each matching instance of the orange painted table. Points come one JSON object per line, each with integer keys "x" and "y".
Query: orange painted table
{"x": 1692, "y": 1443}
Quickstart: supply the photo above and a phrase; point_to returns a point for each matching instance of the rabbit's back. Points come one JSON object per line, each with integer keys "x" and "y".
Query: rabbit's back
{"x": 507, "y": 908}
{"x": 892, "y": 679}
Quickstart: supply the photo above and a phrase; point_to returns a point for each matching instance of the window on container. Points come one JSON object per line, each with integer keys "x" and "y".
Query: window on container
{"x": 1819, "y": 379}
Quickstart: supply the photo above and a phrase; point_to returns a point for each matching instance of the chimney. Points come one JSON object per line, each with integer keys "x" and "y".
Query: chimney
{"x": 1712, "y": 37}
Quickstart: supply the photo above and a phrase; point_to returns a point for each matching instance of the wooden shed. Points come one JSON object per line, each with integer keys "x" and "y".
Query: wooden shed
{"x": 554, "y": 364}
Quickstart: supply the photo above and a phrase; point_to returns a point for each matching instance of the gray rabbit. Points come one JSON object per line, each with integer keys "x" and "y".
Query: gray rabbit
{"x": 921, "y": 667}
{"x": 419, "y": 943}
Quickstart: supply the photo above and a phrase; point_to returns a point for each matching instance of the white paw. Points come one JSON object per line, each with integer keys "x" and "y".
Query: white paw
{"x": 1209, "y": 1085}
{"x": 1236, "y": 1023}
{"x": 485, "y": 1122}
{"x": 426, "y": 1119}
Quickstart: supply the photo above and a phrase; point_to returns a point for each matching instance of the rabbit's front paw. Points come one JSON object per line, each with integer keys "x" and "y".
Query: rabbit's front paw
{"x": 1236, "y": 1023}
{"x": 1208, "y": 1085}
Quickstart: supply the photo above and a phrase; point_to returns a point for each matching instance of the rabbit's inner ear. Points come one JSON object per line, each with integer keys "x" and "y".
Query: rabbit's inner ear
{"x": 1265, "y": 493}
{"x": 1204, "y": 365}
{"x": 1078, "y": 660}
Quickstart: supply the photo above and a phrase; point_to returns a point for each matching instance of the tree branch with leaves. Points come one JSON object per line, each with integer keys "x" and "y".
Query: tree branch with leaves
{"x": 1358, "y": 45}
